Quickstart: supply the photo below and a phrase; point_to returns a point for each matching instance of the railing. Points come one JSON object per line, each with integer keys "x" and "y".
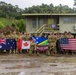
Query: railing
{"x": 46, "y": 29}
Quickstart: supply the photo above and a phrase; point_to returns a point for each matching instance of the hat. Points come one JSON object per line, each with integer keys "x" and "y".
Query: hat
{"x": 22, "y": 73}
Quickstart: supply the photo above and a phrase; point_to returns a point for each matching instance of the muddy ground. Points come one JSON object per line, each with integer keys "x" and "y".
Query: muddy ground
{"x": 13, "y": 64}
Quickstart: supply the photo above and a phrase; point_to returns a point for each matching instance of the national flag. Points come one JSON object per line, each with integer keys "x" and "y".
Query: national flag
{"x": 68, "y": 44}
{"x": 2, "y": 41}
{"x": 41, "y": 40}
{"x": 23, "y": 44}
{"x": 7, "y": 44}
{"x": 41, "y": 48}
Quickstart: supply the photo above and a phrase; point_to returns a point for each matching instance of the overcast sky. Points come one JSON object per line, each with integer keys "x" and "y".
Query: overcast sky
{"x": 29, "y": 3}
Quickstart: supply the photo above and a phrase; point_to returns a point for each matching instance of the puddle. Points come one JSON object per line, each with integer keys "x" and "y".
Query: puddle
{"x": 22, "y": 65}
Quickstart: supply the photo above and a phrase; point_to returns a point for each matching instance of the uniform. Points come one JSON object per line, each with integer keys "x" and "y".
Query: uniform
{"x": 65, "y": 35}
{"x": 15, "y": 36}
{"x": 2, "y": 36}
{"x": 52, "y": 43}
{"x": 32, "y": 46}
{"x": 70, "y": 36}
{"x": 58, "y": 47}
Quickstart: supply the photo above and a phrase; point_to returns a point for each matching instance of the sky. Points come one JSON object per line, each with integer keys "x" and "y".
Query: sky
{"x": 28, "y": 3}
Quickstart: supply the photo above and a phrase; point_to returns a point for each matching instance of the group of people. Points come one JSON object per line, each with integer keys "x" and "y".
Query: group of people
{"x": 53, "y": 38}
{"x": 54, "y": 43}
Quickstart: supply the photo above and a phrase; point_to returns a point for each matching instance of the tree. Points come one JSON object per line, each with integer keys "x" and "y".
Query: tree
{"x": 22, "y": 26}
{"x": 74, "y": 2}
{"x": 19, "y": 25}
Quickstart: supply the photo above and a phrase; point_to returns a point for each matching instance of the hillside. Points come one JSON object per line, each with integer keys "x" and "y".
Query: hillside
{"x": 6, "y": 21}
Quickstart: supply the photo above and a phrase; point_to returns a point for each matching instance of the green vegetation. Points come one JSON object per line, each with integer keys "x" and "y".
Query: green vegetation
{"x": 9, "y": 11}
{"x": 19, "y": 25}
{"x": 6, "y": 21}
{"x": 1, "y": 25}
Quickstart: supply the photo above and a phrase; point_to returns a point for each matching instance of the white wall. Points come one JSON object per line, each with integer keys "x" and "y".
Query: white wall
{"x": 66, "y": 26}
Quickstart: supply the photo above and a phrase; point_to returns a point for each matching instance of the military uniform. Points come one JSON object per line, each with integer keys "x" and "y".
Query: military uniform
{"x": 70, "y": 36}
{"x": 15, "y": 36}
{"x": 58, "y": 47}
{"x": 2, "y": 36}
{"x": 32, "y": 47}
{"x": 52, "y": 43}
{"x": 65, "y": 35}
{"x": 32, "y": 44}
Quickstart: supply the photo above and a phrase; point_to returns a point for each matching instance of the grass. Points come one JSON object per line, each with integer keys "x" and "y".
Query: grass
{"x": 6, "y": 21}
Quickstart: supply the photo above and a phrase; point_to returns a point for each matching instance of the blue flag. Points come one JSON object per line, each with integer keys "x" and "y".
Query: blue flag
{"x": 40, "y": 40}
{"x": 7, "y": 44}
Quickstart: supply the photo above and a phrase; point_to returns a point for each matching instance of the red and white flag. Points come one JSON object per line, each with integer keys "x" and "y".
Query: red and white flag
{"x": 69, "y": 44}
{"x": 25, "y": 44}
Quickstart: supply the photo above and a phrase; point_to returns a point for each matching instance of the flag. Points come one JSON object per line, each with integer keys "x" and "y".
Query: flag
{"x": 40, "y": 40}
{"x": 41, "y": 48}
{"x": 7, "y": 44}
{"x": 2, "y": 41}
{"x": 68, "y": 44}
{"x": 19, "y": 44}
{"x": 25, "y": 44}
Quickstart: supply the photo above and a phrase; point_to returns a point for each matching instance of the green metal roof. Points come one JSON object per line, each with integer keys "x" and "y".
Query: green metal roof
{"x": 48, "y": 14}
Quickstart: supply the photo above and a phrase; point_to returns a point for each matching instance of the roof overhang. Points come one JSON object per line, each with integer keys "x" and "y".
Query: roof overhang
{"x": 50, "y": 14}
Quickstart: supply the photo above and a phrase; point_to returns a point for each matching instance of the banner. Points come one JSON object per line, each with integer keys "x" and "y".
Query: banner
{"x": 68, "y": 44}
{"x": 42, "y": 48}
{"x": 7, "y": 44}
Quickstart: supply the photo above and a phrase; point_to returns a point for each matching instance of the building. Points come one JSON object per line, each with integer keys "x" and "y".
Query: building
{"x": 66, "y": 22}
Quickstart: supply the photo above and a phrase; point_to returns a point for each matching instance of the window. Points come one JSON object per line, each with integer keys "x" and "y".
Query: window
{"x": 34, "y": 22}
{"x": 39, "y": 22}
{"x": 69, "y": 20}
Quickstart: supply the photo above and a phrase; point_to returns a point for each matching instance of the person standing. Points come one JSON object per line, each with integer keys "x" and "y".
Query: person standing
{"x": 52, "y": 43}
{"x": 15, "y": 36}
{"x": 58, "y": 47}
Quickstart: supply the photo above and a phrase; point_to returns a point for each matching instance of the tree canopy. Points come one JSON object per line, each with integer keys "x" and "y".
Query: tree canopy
{"x": 10, "y": 11}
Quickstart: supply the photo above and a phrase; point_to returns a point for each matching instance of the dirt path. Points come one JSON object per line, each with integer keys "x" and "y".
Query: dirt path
{"x": 13, "y": 64}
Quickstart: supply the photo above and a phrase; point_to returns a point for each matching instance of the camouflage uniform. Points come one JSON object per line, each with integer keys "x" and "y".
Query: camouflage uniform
{"x": 32, "y": 46}
{"x": 2, "y": 36}
{"x": 52, "y": 43}
{"x": 58, "y": 47}
{"x": 65, "y": 35}
{"x": 70, "y": 36}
